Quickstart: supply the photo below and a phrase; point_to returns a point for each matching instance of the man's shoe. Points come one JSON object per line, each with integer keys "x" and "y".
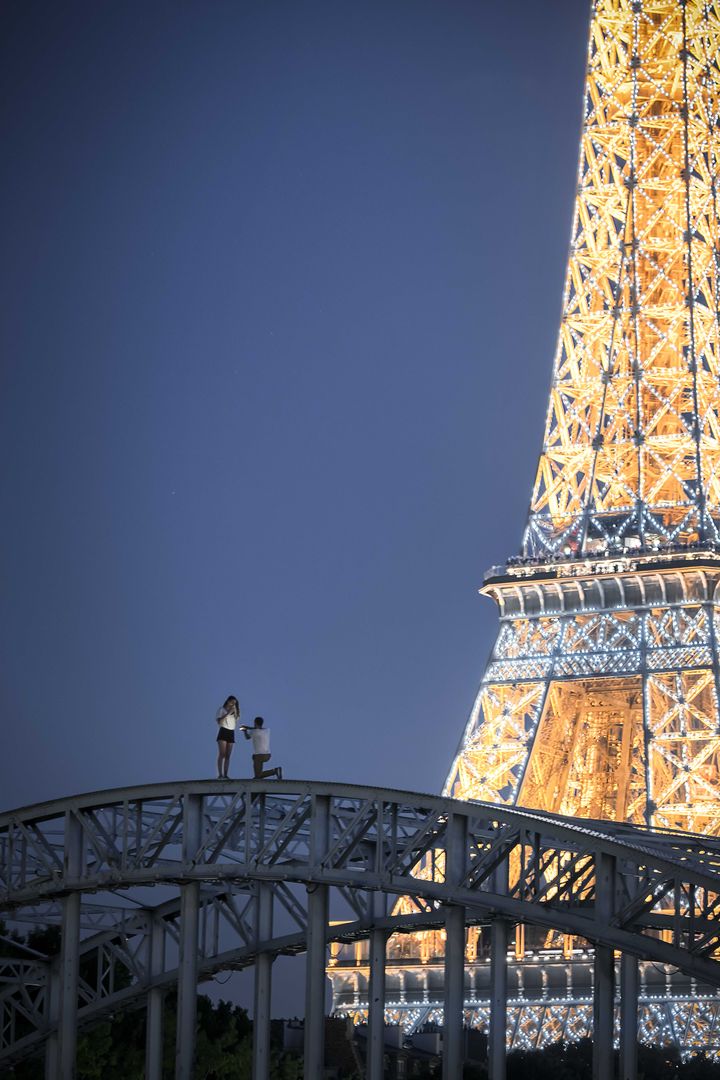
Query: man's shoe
{"x": 278, "y": 774}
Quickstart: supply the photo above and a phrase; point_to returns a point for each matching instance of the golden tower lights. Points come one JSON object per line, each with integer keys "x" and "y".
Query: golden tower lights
{"x": 600, "y": 697}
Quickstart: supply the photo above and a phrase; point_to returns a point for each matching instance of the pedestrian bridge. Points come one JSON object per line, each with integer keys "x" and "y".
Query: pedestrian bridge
{"x": 161, "y": 886}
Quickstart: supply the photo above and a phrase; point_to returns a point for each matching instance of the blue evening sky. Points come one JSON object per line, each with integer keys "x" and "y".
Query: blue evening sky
{"x": 279, "y": 299}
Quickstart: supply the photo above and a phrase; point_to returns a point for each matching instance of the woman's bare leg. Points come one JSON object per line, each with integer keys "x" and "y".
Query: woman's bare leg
{"x": 228, "y": 752}
{"x": 221, "y": 756}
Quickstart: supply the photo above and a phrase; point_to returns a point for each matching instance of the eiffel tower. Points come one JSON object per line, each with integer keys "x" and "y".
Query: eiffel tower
{"x": 600, "y": 697}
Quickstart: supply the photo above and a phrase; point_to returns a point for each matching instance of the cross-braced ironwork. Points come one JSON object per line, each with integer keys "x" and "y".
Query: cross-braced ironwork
{"x": 601, "y": 695}
{"x": 245, "y": 871}
{"x": 632, "y": 449}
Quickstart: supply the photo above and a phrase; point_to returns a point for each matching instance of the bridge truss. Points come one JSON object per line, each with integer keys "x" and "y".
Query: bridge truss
{"x": 156, "y": 887}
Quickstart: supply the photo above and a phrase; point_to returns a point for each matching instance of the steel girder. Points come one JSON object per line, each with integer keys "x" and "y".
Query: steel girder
{"x": 631, "y": 453}
{"x": 655, "y": 895}
{"x": 117, "y": 972}
{"x": 379, "y": 839}
{"x": 601, "y": 697}
{"x": 384, "y": 840}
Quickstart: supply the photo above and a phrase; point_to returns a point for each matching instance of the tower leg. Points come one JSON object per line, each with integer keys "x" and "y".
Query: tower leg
{"x": 263, "y": 984}
{"x": 628, "y": 1016}
{"x": 603, "y": 1005}
{"x": 453, "y": 1049}
{"x": 498, "y": 999}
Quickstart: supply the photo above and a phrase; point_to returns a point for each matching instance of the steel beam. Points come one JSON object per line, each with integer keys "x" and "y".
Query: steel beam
{"x": 604, "y": 972}
{"x": 262, "y": 1010}
{"x": 52, "y": 1065}
{"x": 376, "y": 993}
{"x": 499, "y": 931}
{"x": 155, "y": 1002}
{"x": 374, "y": 834}
{"x": 188, "y": 959}
{"x": 317, "y": 915}
{"x": 187, "y": 982}
{"x": 453, "y": 1034}
{"x": 317, "y": 919}
{"x": 603, "y": 1008}
{"x": 628, "y": 1016}
{"x": 70, "y": 949}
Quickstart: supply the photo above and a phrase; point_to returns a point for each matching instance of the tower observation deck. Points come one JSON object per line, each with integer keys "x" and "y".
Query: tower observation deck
{"x": 600, "y": 696}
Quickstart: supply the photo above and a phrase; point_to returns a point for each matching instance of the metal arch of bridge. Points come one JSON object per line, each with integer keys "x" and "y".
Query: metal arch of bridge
{"x": 236, "y": 848}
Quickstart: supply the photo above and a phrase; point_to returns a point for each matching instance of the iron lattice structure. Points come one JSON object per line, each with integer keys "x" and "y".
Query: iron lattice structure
{"x": 158, "y": 886}
{"x": 601, "y": 695}
{"x": 600, "y": 698}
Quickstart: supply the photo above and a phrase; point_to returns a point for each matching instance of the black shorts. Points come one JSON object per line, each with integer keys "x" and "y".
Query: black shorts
{"x": 226, "y": 735}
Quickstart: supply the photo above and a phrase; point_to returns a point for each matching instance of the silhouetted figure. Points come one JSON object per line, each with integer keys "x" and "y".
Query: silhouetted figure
{"x": 260, "y": 736}
{"x": 227, "y": 718}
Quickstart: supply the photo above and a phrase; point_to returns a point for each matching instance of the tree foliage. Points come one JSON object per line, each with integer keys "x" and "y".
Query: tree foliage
{"x": 573, "y": 1061}
{"x": 114, "y": 1048}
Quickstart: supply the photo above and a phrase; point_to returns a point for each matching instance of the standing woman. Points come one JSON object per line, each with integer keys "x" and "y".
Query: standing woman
{"x": 227, "y": 718}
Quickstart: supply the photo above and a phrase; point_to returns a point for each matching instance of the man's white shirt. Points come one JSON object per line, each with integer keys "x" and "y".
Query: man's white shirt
{"x": 260, "y": 740}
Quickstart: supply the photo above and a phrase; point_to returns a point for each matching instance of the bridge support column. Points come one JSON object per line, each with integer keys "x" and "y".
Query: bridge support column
{"x": 376, "y": 994}
{"x": 155, "y": 1002}
{"x": 52, "y": 1013}
{"x": 603, "y": 1009}
{"x": 629, "y": 980}
{"x": 453, "y": 1048}
{"x": 499, "y": 929}
{"x": 263, "y": 983}
{"x": 604, "y": 973}
{"x": 317, "y": 918}
{"x": 188, "y": 959}
{"x": 187, "y": 982}
{"x": 70, "y": 950}
{"x": 453, "y": 1034}
{"x": 317, "y": 915}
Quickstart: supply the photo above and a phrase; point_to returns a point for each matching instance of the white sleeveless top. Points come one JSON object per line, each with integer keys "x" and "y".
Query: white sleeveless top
{"x": 226, "y": 719}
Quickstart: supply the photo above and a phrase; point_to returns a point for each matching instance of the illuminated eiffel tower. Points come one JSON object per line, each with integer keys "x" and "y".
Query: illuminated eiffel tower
{"x": 600, "y": 697}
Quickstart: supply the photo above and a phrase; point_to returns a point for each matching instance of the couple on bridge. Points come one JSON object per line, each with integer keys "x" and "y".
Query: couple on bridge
{"x": 227, "y": 719}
